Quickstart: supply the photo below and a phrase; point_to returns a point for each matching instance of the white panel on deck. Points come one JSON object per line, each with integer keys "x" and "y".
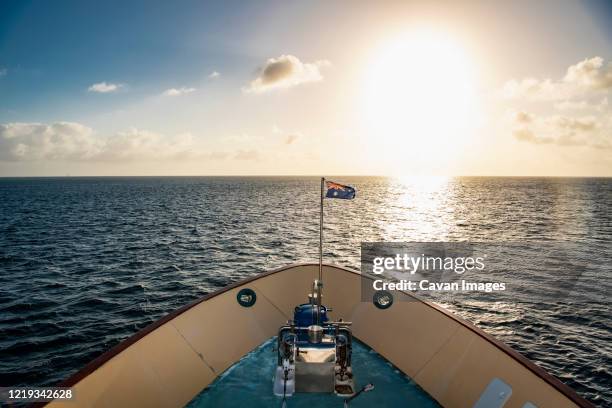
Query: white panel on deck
{"x": 495, "y": 395}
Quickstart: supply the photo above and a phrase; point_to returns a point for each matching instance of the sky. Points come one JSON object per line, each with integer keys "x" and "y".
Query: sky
{"x": 406, "y": 88}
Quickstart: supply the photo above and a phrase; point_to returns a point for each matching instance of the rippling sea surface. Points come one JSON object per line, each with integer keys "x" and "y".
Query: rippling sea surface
{"x": 87, "y": 262}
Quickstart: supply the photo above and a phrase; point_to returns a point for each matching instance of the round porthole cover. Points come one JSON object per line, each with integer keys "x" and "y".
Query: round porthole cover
{"x": 246, "y": 297}
{"x": 382, "y": 299}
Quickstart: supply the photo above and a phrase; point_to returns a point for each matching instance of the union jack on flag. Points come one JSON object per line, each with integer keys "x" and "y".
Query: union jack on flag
{"x": 335, "y": 190}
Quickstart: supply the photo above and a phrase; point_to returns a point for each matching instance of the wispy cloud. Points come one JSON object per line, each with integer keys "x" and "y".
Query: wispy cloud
{"x": 582, "y": 105}
{"x": 562, "y": 130}
{"x": 3, "y": 71}
{"x": 70, "y": 141}
{"x": 251, "y": 154}
{"x": 104, "y": 87}
{"x": 536, "y": 89}
{"x": 214, "y": 75}
{"x": 581, "y": 96}
{"x": 284, "y": 72}
{"x": 581, "y": 80}
{"x": 178, "y": 91}
{"x": 289, "y": 139}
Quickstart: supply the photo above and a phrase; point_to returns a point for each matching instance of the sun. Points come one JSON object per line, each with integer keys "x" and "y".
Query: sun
{"x": 420, "y": 97}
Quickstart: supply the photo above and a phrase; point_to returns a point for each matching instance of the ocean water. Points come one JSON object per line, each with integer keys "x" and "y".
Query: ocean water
{"x": 87, "y": 262}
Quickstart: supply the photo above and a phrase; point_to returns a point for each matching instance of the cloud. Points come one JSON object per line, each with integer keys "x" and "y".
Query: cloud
{"x": 103, "y": 87}
{"x": 561, "y": 130}
{"x": 585, "y": 124}
{"x": 178, "y": 91}
{"x": 214, "y": 75}
{"x": 289, "y": 139}
{"x": 3, "y": 72}
{"x": 526, "y": 135}
{"x": 137, "y": 144}
{"x": 582, "y": 80}
{"x": 251, "y": 154}
{"x": 523, "y": 117}
{"x": 591, "y": 73}
{"x": 60, "y": 140}
{"x": 69, "y": 141}
{"x": 582, "y": 105}
{"x": 284, "y": 72}
{"x": 535, "y": 89}
{"x": 581, "y": 95}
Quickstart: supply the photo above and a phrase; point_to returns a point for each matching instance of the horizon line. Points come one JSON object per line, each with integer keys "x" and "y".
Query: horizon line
{"x": 298, "y": 175}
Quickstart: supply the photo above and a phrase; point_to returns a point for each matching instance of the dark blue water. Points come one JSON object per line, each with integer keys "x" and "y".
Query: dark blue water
{"x": 86, "y": 262}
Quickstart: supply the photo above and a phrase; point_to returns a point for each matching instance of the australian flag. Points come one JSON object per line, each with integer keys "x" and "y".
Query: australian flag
{"x": 335, "y": 190}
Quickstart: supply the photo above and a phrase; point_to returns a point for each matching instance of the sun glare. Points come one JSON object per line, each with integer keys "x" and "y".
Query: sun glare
{"x": 419, "y": 97}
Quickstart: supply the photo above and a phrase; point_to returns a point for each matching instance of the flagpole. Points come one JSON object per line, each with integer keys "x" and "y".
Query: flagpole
{"x": 321, "y": 233}
{"x": 320, "y": 281}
